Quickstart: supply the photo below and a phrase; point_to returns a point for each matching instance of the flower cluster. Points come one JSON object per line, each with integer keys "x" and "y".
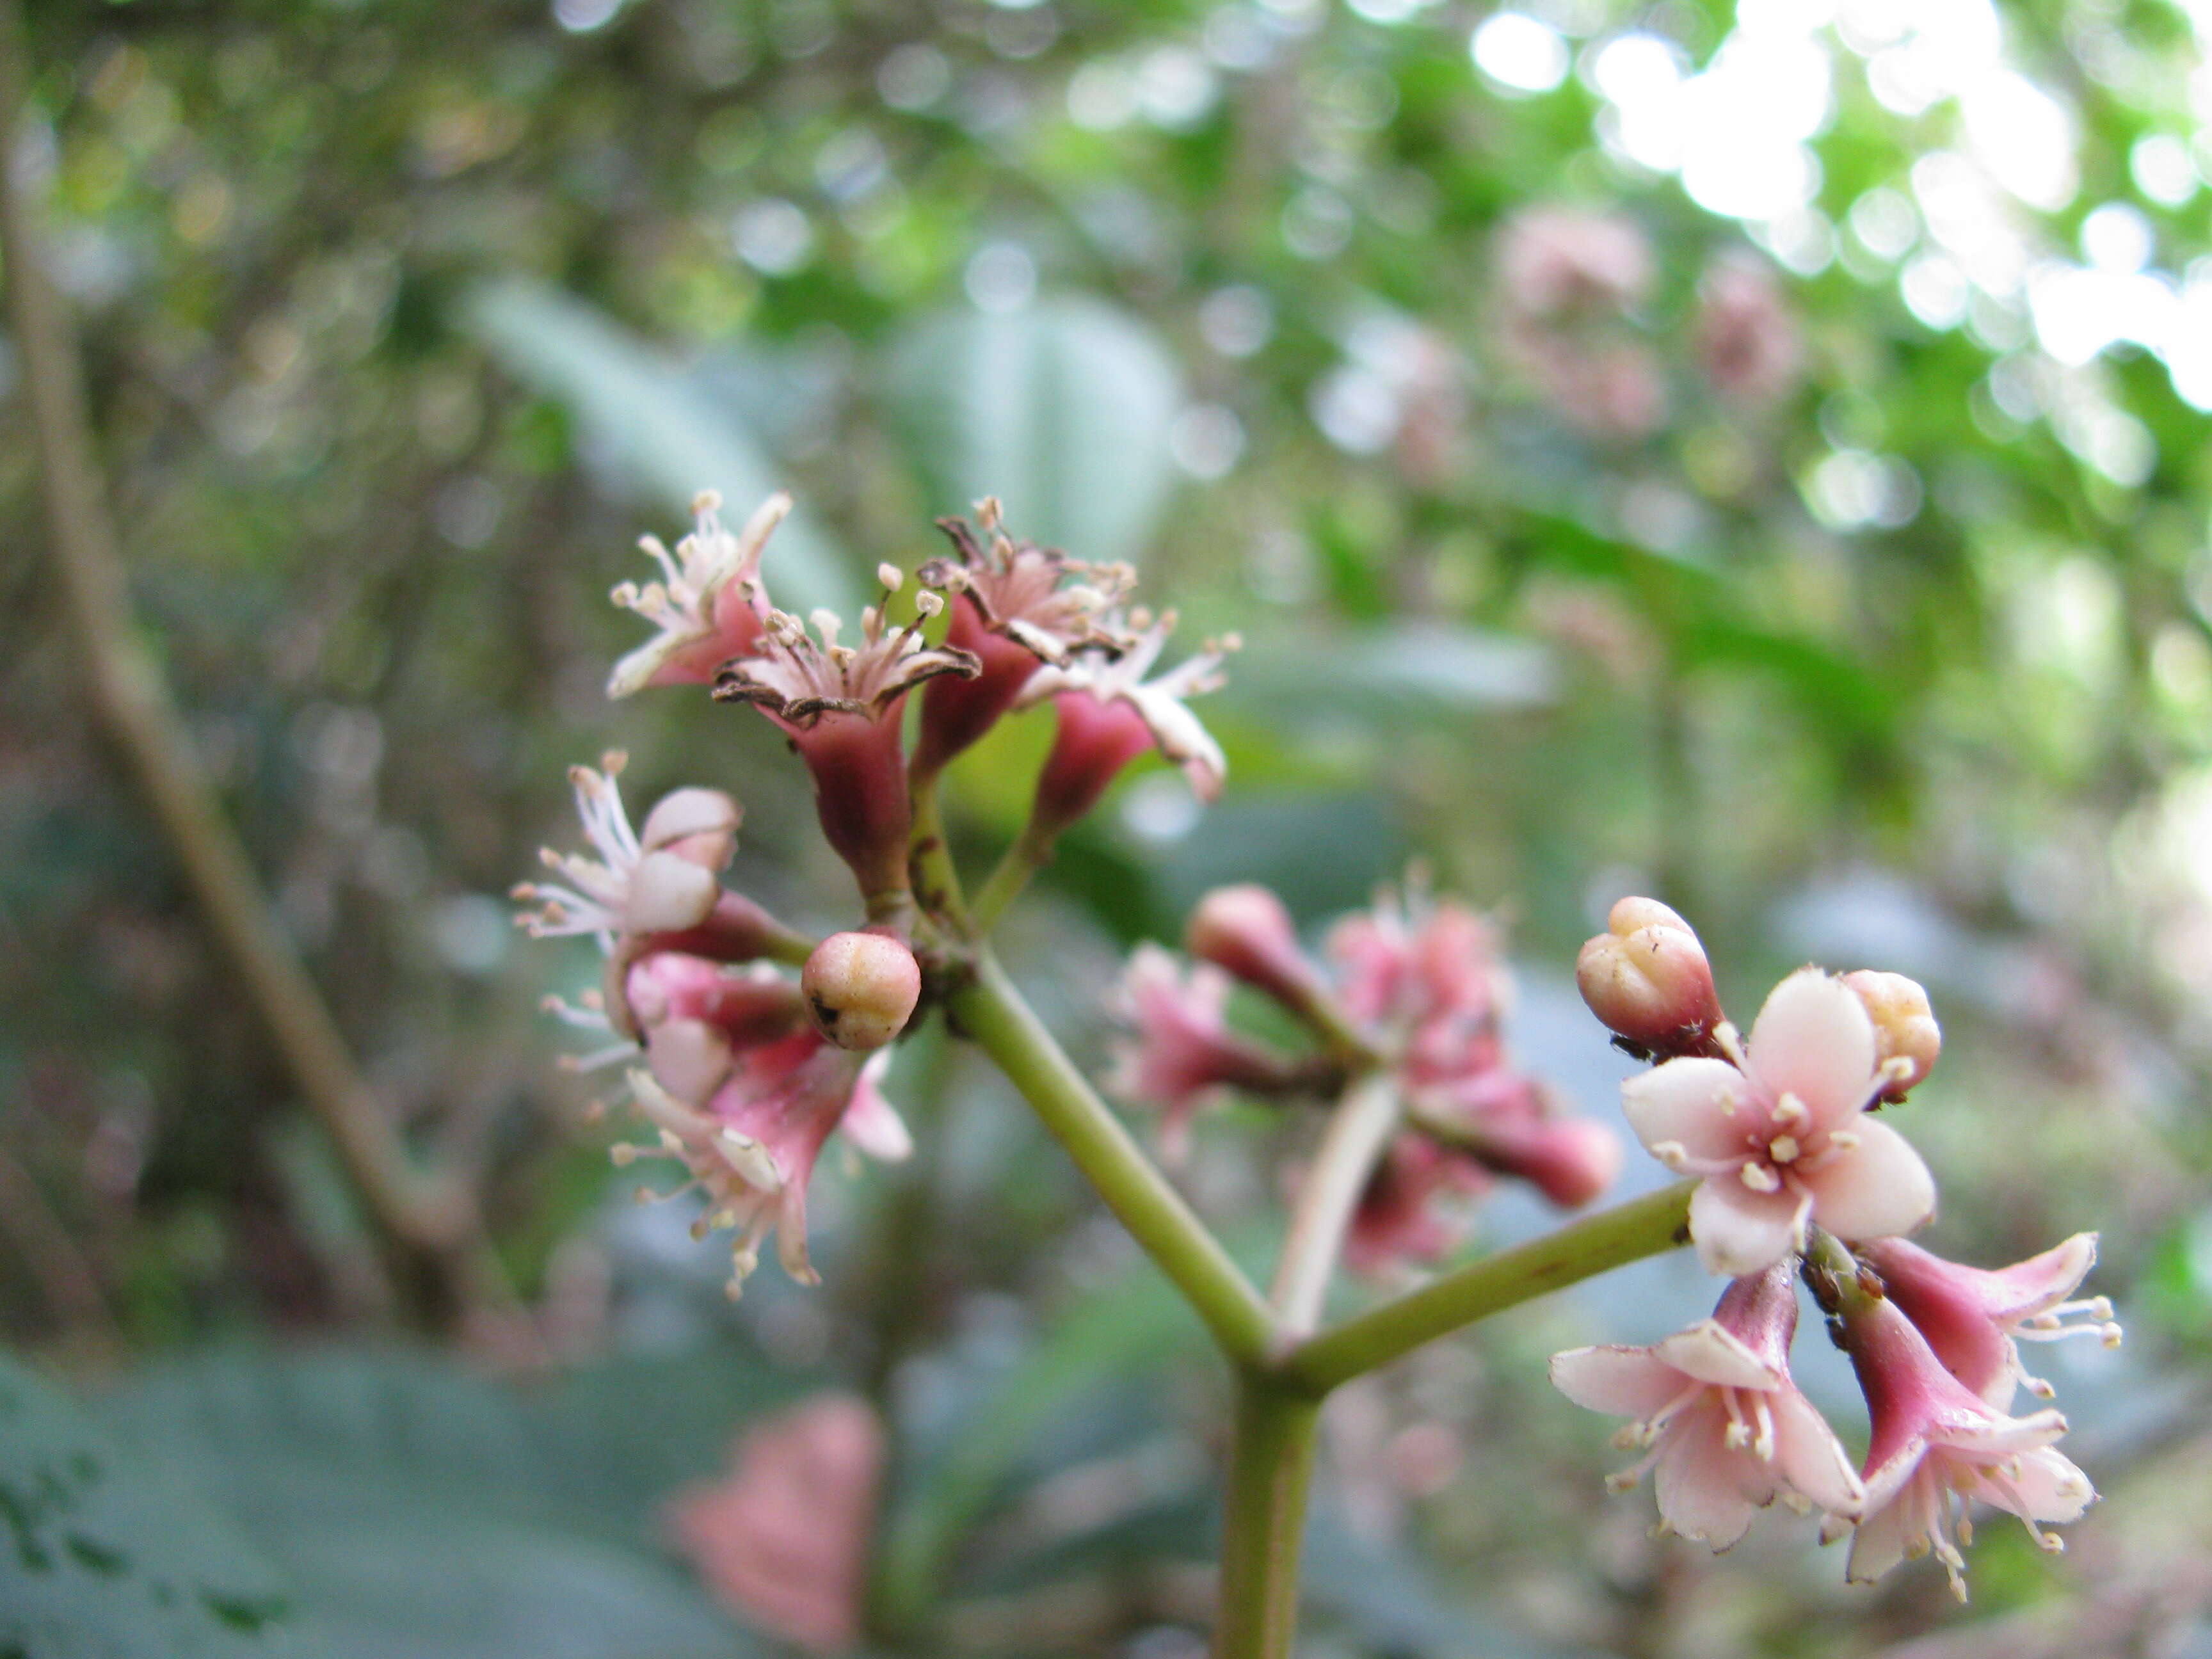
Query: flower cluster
{"x": 1798, "y": 1178}
{"x": 743, "y": 1070}
{"x": 1413, "y": 990}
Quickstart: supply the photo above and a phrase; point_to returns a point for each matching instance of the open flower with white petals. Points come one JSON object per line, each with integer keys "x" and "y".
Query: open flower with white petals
{"x": 1716, "y": 1412}
{"x": 708, "y": 605}
{"x": 1781, "y": 1135}
{"x": 752, "y": 1149}
{"x": 1974, "y": 1318}
{"x": 658, "y": 880}
{"x": 1936, "y": 1449}
{"x": 1109, "y": 714}
{"x": 841, "y": 706}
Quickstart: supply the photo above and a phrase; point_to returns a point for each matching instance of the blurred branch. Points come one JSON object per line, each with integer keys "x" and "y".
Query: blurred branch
{"x": 63, "y": 1274}
{"x": 430, "y": 1217}
{"x": 1360, "y": 1128}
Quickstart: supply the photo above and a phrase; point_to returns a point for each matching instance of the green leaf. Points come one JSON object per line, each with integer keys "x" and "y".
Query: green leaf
{"x": 1060, "y": 409}
{"x": 104, "y": 1557}
{"x": 419, "y": 1509}
{"x": 662, "y": 434}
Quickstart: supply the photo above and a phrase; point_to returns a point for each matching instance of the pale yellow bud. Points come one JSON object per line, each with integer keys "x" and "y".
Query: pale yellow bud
{"x": 860, "y": 988}
{"x": 1908, "y": 1040}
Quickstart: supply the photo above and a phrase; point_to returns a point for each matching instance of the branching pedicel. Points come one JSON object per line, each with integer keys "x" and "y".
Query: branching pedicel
{"x": 742, "y": 1071}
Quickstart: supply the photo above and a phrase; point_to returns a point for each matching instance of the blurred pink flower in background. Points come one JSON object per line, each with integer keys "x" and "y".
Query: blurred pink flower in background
{"x": 783, "y": 1540}
{"x": 1748, "y": 341}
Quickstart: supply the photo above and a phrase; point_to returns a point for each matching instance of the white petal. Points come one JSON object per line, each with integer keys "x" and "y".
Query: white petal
{"x": 1878, "y": 1189}
{"x": 1696, "y": 1104}
{"x": 1712, "y": 1354}
{"x": 1740, "y": 1232}
{"x": 668, "y": 894}
{"x": 1813, "y": 1039}
{"x": 2050, "y": 1487}
{"x": 1618, "y": 1382}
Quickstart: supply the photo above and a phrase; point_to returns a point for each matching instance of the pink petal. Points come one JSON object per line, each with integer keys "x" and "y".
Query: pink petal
{"x": 1878, "y": 1544}
{"x": 1696, "y": 1104}
{"x": 1701, "y": 1483}
{"x": 1876, "y": 1190}
{"x": 2030, "y": 1287}
{"x": 1809, "y": 1456}
{"x": 1813, "y": 1039}
{"x": 1618, "y": 1382}
{"x": 872, "y": 1123}
{"x": 1712, "y": 1353}
{"x": 1740, "y": 1232}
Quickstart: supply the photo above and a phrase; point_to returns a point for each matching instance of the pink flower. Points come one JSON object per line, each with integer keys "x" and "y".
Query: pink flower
{"x": 1781, "y": 1137}
{"x": 1427, "y": 981}
{"x": 1248, "y": 931}
{"x": 1402, "y": 1215}
{"x": 1181, "y": 1052}
{"x": 1748, "y": 342}
{"x": 1973, "y": 1319}
{"x": 694, "y": 1017}
{"x": 1727, "y": 1428}
{"x": 707, "y": 606}
{"x": 1512, "y": 1125}
{"x": 1015, "y": 605}
{"x": 841, "y": 705}
{"x": 1936, "y": 1448}
{"x": 783, "y": 1538}
{"x": 751, "y": 1148}
{"x": 1109, "y": 714}
{"x": 659, "y": 880}
{"x": 1554, "y": 262}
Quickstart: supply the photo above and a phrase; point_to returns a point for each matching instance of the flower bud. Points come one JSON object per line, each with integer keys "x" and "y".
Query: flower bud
{"x": 1908, "y": 1040}
{"x": 1646, "y": 977}
{"x": 860, "y": 988}
{"x": 698, "y": 825}
{"x": 1247, "y": 930}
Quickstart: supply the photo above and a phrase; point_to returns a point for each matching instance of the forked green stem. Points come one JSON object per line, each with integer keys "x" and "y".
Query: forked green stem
{"x": 1279, "y": 1394}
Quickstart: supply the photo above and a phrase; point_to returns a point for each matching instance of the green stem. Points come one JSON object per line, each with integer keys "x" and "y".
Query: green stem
{"x": 989, "y": 1010}
{"x": 1030, "y": 854}
{"x": 1358, "y": 1132}
{"x": 1612, "y": 1238}
{"x": 1269, "y": 1470}
{"x": 936, "y": 877}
